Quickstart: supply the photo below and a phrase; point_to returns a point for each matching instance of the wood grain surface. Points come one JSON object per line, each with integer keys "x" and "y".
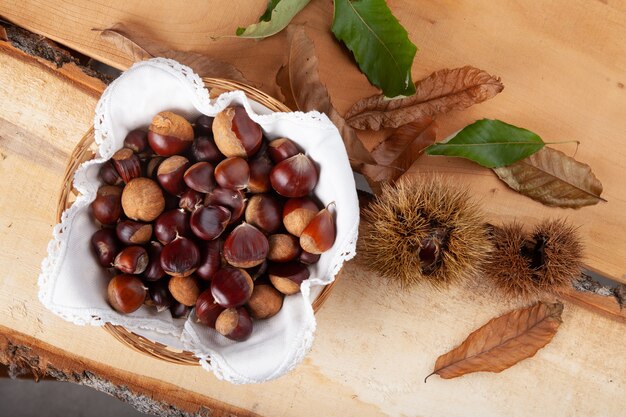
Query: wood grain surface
{"x": 563, "y": 65}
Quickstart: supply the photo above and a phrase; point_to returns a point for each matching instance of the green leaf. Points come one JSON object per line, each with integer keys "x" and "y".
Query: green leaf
{"x": 379, "y": 43}
{"x": 490, "y": 143}
{"x": 282, "y": 11}
{"x": 267, "y": 16}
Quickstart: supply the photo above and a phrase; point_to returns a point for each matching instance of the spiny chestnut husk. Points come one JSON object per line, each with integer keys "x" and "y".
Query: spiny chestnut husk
{"x": 527, "y": 266}
{"x": 235, "y": 133}
{"x": 423, "y": 229}
{"x": 170, "y": 134}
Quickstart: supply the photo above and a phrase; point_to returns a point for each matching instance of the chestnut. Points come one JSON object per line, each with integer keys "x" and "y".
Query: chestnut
{"x": 208, "y": 222}
{"x": 297, "y": 213}
{"x": 210, "y": 259}
{"x": 264, "y": 212}
{"x": 131, "y": 260}
{"x": 179, "y": 310}
{"x": 136, "y": 140}
{"x": 107, "y": 206}
{"x": 142, "y": 199}
{"x": 319, "y": 235}
{"x": 235, "y": 133}
{"x": 205, "y": 149}
{"x": 153, "y": 165}
{"x": 203, "y": 125}
{"x": 126, "y": 293}
{"x": 207, "y": 309}
{"x": 283, "y": 247}
{"x": 160, "y": 296}
{"x": 170, "y": 134}
{"x": 231, "y": 287}
{"x": 153, "y": 271}
{"x": 106, "y": 246}
{"x": 199, "y": 177}
{"x": 233, "y": 173}
{"x": 131, "y": 232}
{"x": 170, "y": 174}
{"x": 190, "y": 200}
{"x": 308, "y": 258}
{"x": 294, "y": 177}
{"x": 281, "y": 149}
{"x": 170, "y": 224}
{"x": 265, "y": 301}
{"x": 235, "y": 324}
{"x": 185, "y": 290}
{"x": 233, "y": 200}
{"x": 260, "y": 168}
{"x": 287, "y": 277}
{"x": 109, "y": 174}
{"x": 180, "y": 257}
{"x": 127, "y": 164}
{"x": 246, "y": 246}
{"x": 257, "y": 272}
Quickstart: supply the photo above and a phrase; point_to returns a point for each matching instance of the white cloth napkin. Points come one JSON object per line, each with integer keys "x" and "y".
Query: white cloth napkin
{"x": 73, "y": 285}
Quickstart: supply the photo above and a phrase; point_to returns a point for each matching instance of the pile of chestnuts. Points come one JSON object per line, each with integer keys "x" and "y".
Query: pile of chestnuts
{"x": 210, "y": 216}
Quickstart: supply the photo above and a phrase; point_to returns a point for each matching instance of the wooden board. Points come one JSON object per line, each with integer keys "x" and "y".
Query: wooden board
{"x": 563, "y": 65}
{"x": 374, "y": 344}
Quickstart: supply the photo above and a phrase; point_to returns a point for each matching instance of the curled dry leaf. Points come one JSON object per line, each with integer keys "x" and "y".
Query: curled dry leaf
{"x": 139, "y": 48}
{"x": 503, "y": 341}
{"x": 440, "y": 92}
{"x": 303, "y": 90}
{"x": 554, "y": 179}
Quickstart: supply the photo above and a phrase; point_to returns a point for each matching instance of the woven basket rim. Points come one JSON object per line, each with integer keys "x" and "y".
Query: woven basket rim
{"x": 84, "y": 151}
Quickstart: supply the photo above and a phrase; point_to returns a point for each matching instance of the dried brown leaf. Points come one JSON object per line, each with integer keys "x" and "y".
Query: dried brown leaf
{"x": 439, "y": 93}
{"x": 554, "y": 179}
{"x": 303, "y": 90}
{"x": 139, "y": 48}
{"x": 405, "y": 144}
{"x": 3, "y": 34}
{"x": 503, "y": 341}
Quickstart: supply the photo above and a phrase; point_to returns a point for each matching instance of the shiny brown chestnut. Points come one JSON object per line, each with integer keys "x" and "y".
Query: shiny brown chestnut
{"x": 153, "y": 166}
{"x": 180, "y": 257}
{"x": 179, "y": 310}
{"x": 319, "y": 235}
{"x": 287, "y": 277}
{"x": 235, "y": 133}
{"x": 235, "y": 324}
{"x": 131, "y": 232}
{"x": 265, "y": 301}
{"x": 297, "y": 213}
{"x": 203, "y": 125}
{"x": 107, "y": 206}
{"x": 231, "y": 287}
{"x": 294, "y": 177}
{"x": 257, "y": 271}
{"x": 265, "y": 212}
{"x": 233, "y": 173}
{"x": 260, "y": 168}
{"x": 171, "y": 172}
{"x": 209, "y": 222}
{"x": 185, "y": 290}
{"x": 136, "y": 140}
{"x": 106, "y": 246}
{"x": 131, "y": 260}
{"x": 199, "y": 177}
{"x": 153, "y": 271}
{"x": 126, "y": 293}
{"x": 207, "y": 309}
{"x": 308, "y": 258}
{"x": 205, "y": 149}
{"x": 283, "y": 247}
{"x": 170, "y": 134}
{"x": 109, "y": 174}
{"x": 160, "y": 296}
{"x": 246, "y": 246}
{"x": 281, "y": 149}
{"x": 127, "y": 164}
{"x": 190, "y": 200}
{"x": 143, "y": 200}
{"x": 233, "y": 200}
{"x": 170, "y": 224}
{"x": 210, "y": 259}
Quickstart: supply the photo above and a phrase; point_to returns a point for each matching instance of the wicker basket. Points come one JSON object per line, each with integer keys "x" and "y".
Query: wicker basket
{"x": 86, "y": 150}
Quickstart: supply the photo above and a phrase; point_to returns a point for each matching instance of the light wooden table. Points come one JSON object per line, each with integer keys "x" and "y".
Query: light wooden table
{"x": 564, "y": 67}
